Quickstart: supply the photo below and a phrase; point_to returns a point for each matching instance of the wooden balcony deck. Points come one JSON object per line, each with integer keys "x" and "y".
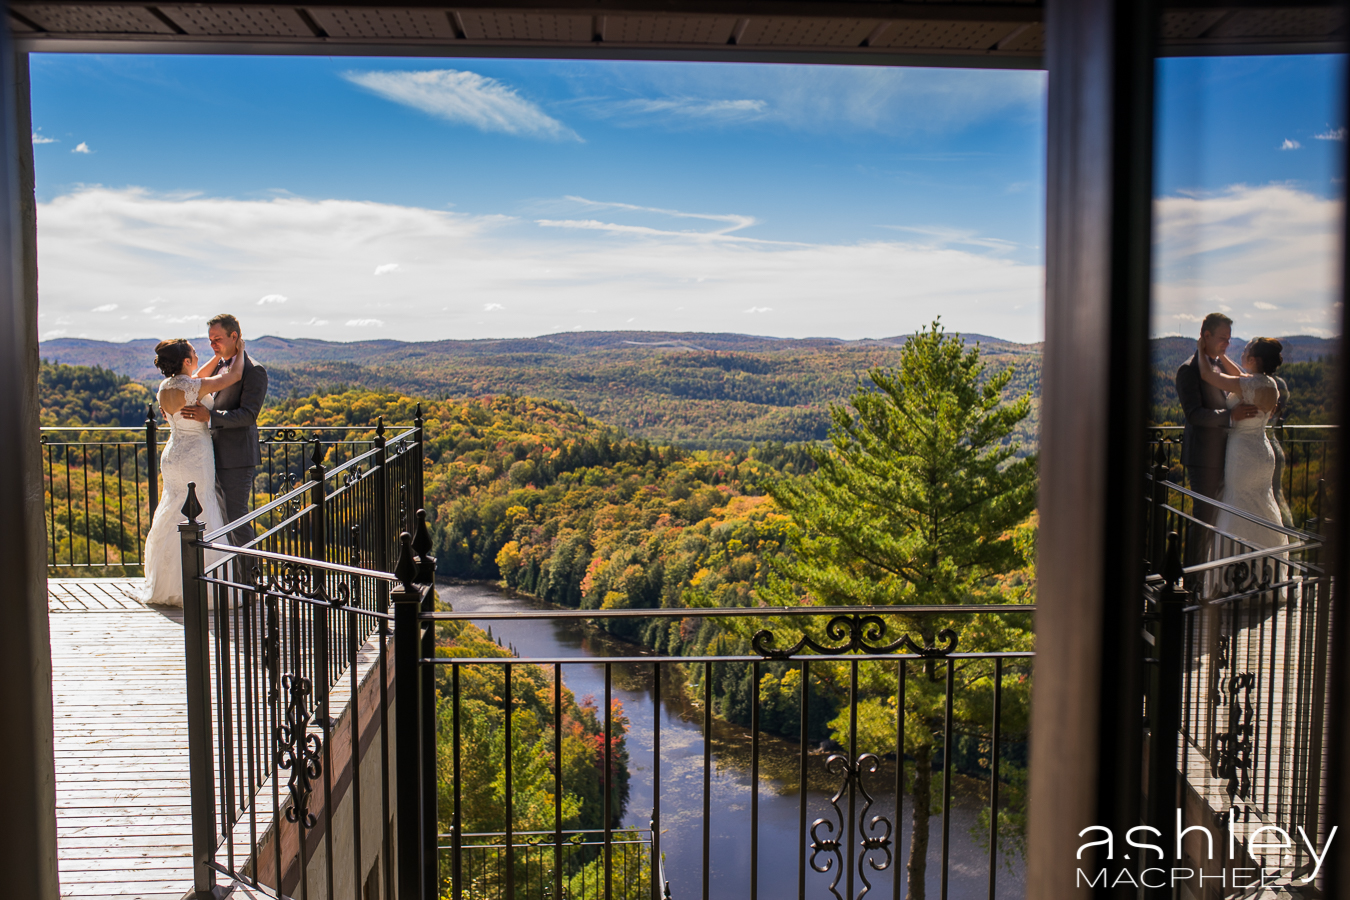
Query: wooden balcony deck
{"x": 122, "y": 802}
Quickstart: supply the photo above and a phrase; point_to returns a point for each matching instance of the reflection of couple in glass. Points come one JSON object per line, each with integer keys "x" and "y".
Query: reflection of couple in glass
{"x": 1225, "y": 449}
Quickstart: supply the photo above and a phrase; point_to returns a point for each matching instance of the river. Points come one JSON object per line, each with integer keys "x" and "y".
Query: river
{"x": 682, "y": 747}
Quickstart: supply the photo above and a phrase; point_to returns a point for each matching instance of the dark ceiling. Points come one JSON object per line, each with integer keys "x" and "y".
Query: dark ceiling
{"x": 940, "y": 32}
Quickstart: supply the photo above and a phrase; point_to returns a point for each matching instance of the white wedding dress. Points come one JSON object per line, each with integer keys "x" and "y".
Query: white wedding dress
{"x": 188, "y": 457}
{"x": 1248, "y": 470}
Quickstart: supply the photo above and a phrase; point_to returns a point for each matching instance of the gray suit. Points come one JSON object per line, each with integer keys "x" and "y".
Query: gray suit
{"x": 234, "y": 432}
{"x": 1203, "y": 445}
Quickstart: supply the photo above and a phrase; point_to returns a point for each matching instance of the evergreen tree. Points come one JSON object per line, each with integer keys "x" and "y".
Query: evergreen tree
{"x": 915, "y": 501}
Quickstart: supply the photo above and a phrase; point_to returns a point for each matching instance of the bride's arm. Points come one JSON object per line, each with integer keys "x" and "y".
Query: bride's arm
{"x": 1230, "y": 383}
{"x": 228, "y": 377}
{"x": 1229, "y": 367}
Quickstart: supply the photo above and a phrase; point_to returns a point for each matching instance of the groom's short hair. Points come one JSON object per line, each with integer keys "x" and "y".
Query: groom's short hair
{"x": 1213, "y": 321}
{"x": 231, "y": 324}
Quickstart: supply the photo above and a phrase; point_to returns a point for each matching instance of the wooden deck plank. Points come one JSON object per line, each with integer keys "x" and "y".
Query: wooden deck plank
{"x": 123, "y": 804}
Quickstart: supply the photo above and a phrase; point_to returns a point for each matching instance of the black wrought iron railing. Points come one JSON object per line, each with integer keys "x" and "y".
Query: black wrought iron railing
{"x": 847, "y": 837}
{"x": 1302, "y": 454}
{"x": 327, "y": 753}
{"x": 101, "y": 485}
{"x": 1237, "y": 706}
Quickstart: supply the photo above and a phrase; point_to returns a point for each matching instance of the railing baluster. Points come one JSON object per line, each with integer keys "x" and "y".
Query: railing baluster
{"x": 707, "y": 770}
{"x": 457, "y": 826}
{"x": 901, "y": 671}
{"x": 947, "y": 781}
{"x": 609, "y": 765}
{"x": 803, "y": 772}
{"x": 510, "y": 795}
{"x": 557, "y": 781}
{"x": 754, "y": 780}
{"x": 993, "y": 775}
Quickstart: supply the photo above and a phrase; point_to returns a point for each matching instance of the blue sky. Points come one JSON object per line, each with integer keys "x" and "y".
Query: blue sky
{"x": 413, "y": 199}
{"x": 1250, "y": 191}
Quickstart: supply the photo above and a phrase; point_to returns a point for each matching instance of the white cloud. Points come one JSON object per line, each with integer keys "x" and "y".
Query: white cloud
{"x": 386, "y": 268}
{"x": 43, "y": 139}
{"x": 760, "y": 309}
{"x": 271, "y": 298}
{"x": 365, "y": 323}
{"x": 81, "y": 147}
{"x": 1331, "y": 134}
{"x": 465, "y": 98}
{"x": 1271, "y": 248}
{"x": 1290, "y": 145}
{"x": 697, "y": 109}
{"x": 312, "y": 321}
{"x": 107, "y": 307}
{"x": 123, "y": 245}
{"x": 810, "y": 98}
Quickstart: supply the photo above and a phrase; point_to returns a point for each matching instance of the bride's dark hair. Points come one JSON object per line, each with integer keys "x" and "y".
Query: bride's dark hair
{"x": 1269, "y": 351}
{"x": 170, "y": 355}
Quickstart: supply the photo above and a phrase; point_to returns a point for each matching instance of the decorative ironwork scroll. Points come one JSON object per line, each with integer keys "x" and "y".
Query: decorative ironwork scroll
{"x": 1233, "y": 759}
{"x": 352, "y": 476}
{"x": 1245, "y": 577}
{"x": 875, "y": 834}
{"x": 298, "y": 751}
{"x": 862, "y": 634}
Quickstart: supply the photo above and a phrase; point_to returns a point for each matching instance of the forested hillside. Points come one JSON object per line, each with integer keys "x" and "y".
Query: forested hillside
{"x": 697, "y": 390}
{"x": 89, "y": 395}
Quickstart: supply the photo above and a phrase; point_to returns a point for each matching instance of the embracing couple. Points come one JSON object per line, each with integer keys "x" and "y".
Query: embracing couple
{"x": 212, "y": 409}
{"x": 1225, "y": 449}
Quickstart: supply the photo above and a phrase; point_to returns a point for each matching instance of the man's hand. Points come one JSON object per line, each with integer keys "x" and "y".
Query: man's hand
{"x": 199, "y": 413}
{"x": 1244, "y": 411}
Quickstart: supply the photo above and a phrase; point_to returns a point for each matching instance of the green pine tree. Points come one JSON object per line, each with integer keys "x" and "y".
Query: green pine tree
{"x": 915, "y": 501}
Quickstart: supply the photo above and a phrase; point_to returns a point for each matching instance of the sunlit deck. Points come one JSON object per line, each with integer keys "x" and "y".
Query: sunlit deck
{"x": 122, "y": 799}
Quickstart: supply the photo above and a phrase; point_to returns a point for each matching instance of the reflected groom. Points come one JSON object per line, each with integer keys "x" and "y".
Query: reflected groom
{"x": 234, "y": 423}
{"x": 1204, "y": 443}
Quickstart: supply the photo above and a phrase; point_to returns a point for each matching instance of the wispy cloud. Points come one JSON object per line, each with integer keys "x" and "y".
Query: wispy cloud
{"x": 365, "y": 323}
{"x": 1331, "y": 134}
{"x": 465, "y": 98}
{"x": 81, "y": 147}
{"x": 1290, "y": 145}
{"x": 692, "y": 108}
{"x": 942, "y": 237}
{"x": 386, "y": 268}
{"x": 489, "y": 307}
{"x": 1269, "y": 252}
{"x": 807, "y": 98}
{"x": 760, "y": 309}
{"x": 43, "y": 139}
{"x": 107, "y": 307}
{"x": 271, "y": 298}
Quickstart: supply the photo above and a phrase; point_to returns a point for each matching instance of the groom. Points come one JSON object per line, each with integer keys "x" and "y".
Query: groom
{"x": 1205, "y": 440}
{"x": 234, "y": 422}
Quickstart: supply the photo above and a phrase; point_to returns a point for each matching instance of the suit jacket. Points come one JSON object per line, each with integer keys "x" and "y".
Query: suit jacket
{"x": 234, "y": 421}
{"x": 1205, "y": 441}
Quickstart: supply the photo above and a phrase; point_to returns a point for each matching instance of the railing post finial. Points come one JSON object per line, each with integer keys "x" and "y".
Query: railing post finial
{"x": 406, "y": 568}
{"x": 192, "y": 507}
{"x": 316, "y": 454}
{"x": 1173, "y": 570}
{"x": 421, "y": 545}
{"x": 379, "y": 430}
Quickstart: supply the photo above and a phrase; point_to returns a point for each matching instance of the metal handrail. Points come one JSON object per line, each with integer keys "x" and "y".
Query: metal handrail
{"x": 296, "y": 491}
{"x": 1240, "y": 513}
{"x": 761, "y": 612}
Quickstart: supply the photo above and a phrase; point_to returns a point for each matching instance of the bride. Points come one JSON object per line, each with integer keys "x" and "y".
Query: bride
{"x": 188, "y": 457}
{"x": 1250, "y": 461}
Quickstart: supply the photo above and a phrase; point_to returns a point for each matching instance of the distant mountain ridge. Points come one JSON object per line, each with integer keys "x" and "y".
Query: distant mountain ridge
{"x": 689, "y": 388}
{"x": 135, "y": 358}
